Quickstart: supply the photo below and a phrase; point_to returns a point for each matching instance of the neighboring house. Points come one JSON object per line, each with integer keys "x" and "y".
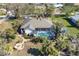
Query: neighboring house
{"x": 57, "y": 10}
{"x": 40, "y": 27}
{"x": 76, "y": 4}
{"x": 75, "y": 18}
{"x": 11, "y": 14}
{"x": 3, "y": 16}
{"x": 40, "y": 6}
{"x": 3, "y": 11}
{"x": 58, "y": 5}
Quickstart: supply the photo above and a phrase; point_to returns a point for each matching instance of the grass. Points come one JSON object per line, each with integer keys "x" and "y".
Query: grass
{"x": 5, "y": 25}
{"x": 72, "y": 30}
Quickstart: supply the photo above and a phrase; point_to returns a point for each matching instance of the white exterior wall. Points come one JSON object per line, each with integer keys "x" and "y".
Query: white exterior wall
{"x": 28, "y": 31}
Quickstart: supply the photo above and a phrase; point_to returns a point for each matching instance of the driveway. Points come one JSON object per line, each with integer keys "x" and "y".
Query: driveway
{"x": 2, "y": 20}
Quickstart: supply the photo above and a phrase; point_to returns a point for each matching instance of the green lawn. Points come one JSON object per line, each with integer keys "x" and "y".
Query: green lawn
{"x": 71, "y": 29}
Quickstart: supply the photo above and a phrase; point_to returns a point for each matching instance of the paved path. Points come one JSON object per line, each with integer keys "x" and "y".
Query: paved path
{"x": 20, "y": 46}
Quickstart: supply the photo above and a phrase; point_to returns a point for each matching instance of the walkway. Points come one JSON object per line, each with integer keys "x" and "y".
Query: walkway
{"x": 20, "y": 46}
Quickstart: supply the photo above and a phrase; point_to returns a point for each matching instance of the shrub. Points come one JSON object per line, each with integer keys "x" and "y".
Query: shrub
{"x": 49, "y": 49}
{"x": 77, "y": 23}
{"x": 26, "y": 36}
{"x": 9, "y": 35}
{"x": 39, "y": 40}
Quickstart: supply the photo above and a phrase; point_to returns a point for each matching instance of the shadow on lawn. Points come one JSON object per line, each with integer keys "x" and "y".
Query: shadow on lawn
{"x": 34, "y": 51}
{"x": 70, "y": 26}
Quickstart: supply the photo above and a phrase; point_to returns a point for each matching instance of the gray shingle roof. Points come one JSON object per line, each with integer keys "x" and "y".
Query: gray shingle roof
{"x": 37, "y": 23}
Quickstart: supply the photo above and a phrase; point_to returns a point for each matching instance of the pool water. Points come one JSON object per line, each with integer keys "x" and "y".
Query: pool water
{"x": 44, "y": 34}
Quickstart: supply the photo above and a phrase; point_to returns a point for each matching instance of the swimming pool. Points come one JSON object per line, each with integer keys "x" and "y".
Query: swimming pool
{"x": 44, "y": 34}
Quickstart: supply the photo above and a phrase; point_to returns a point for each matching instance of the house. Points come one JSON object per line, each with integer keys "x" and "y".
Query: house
{"x": 39, "y": 27}
{"x": 74, "y": 18}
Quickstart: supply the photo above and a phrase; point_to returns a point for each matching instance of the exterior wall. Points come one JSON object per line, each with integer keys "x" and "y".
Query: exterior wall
{"x": 28, "y": 31}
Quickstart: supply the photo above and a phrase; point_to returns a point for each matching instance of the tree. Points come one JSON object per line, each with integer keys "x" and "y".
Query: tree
{"x": 8, "y": 49}
{"x": 76, "y": 50}
{"x": 77, "y": 23}
{"x": 26, "y": 9}
{"x": 2, "y": 52}
{"x": 39, "y": 40}
{"x": 57, "y": 28}
{"x": 9, "y": 34}
{"x": 49, "y": 49}
{"x": 61, "y": 42}
{"x": 39, "y": 11}
{"x": 17, "y": 13}
{"x": 16, "y": 24}
{"x": 68, "y": 9}
{"x": 68, "y": 45}
{"x": 49, "y": 10}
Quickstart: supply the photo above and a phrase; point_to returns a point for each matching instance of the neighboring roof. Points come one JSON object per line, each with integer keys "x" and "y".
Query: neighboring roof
{"x": 76, "y": 3}
{"x": 76, "y": 17}
{"x": 2, "y": 9}
{"x": 37, "y": 23}
{"x": 58, "y": 5}
{"x": 11, "y": 12}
